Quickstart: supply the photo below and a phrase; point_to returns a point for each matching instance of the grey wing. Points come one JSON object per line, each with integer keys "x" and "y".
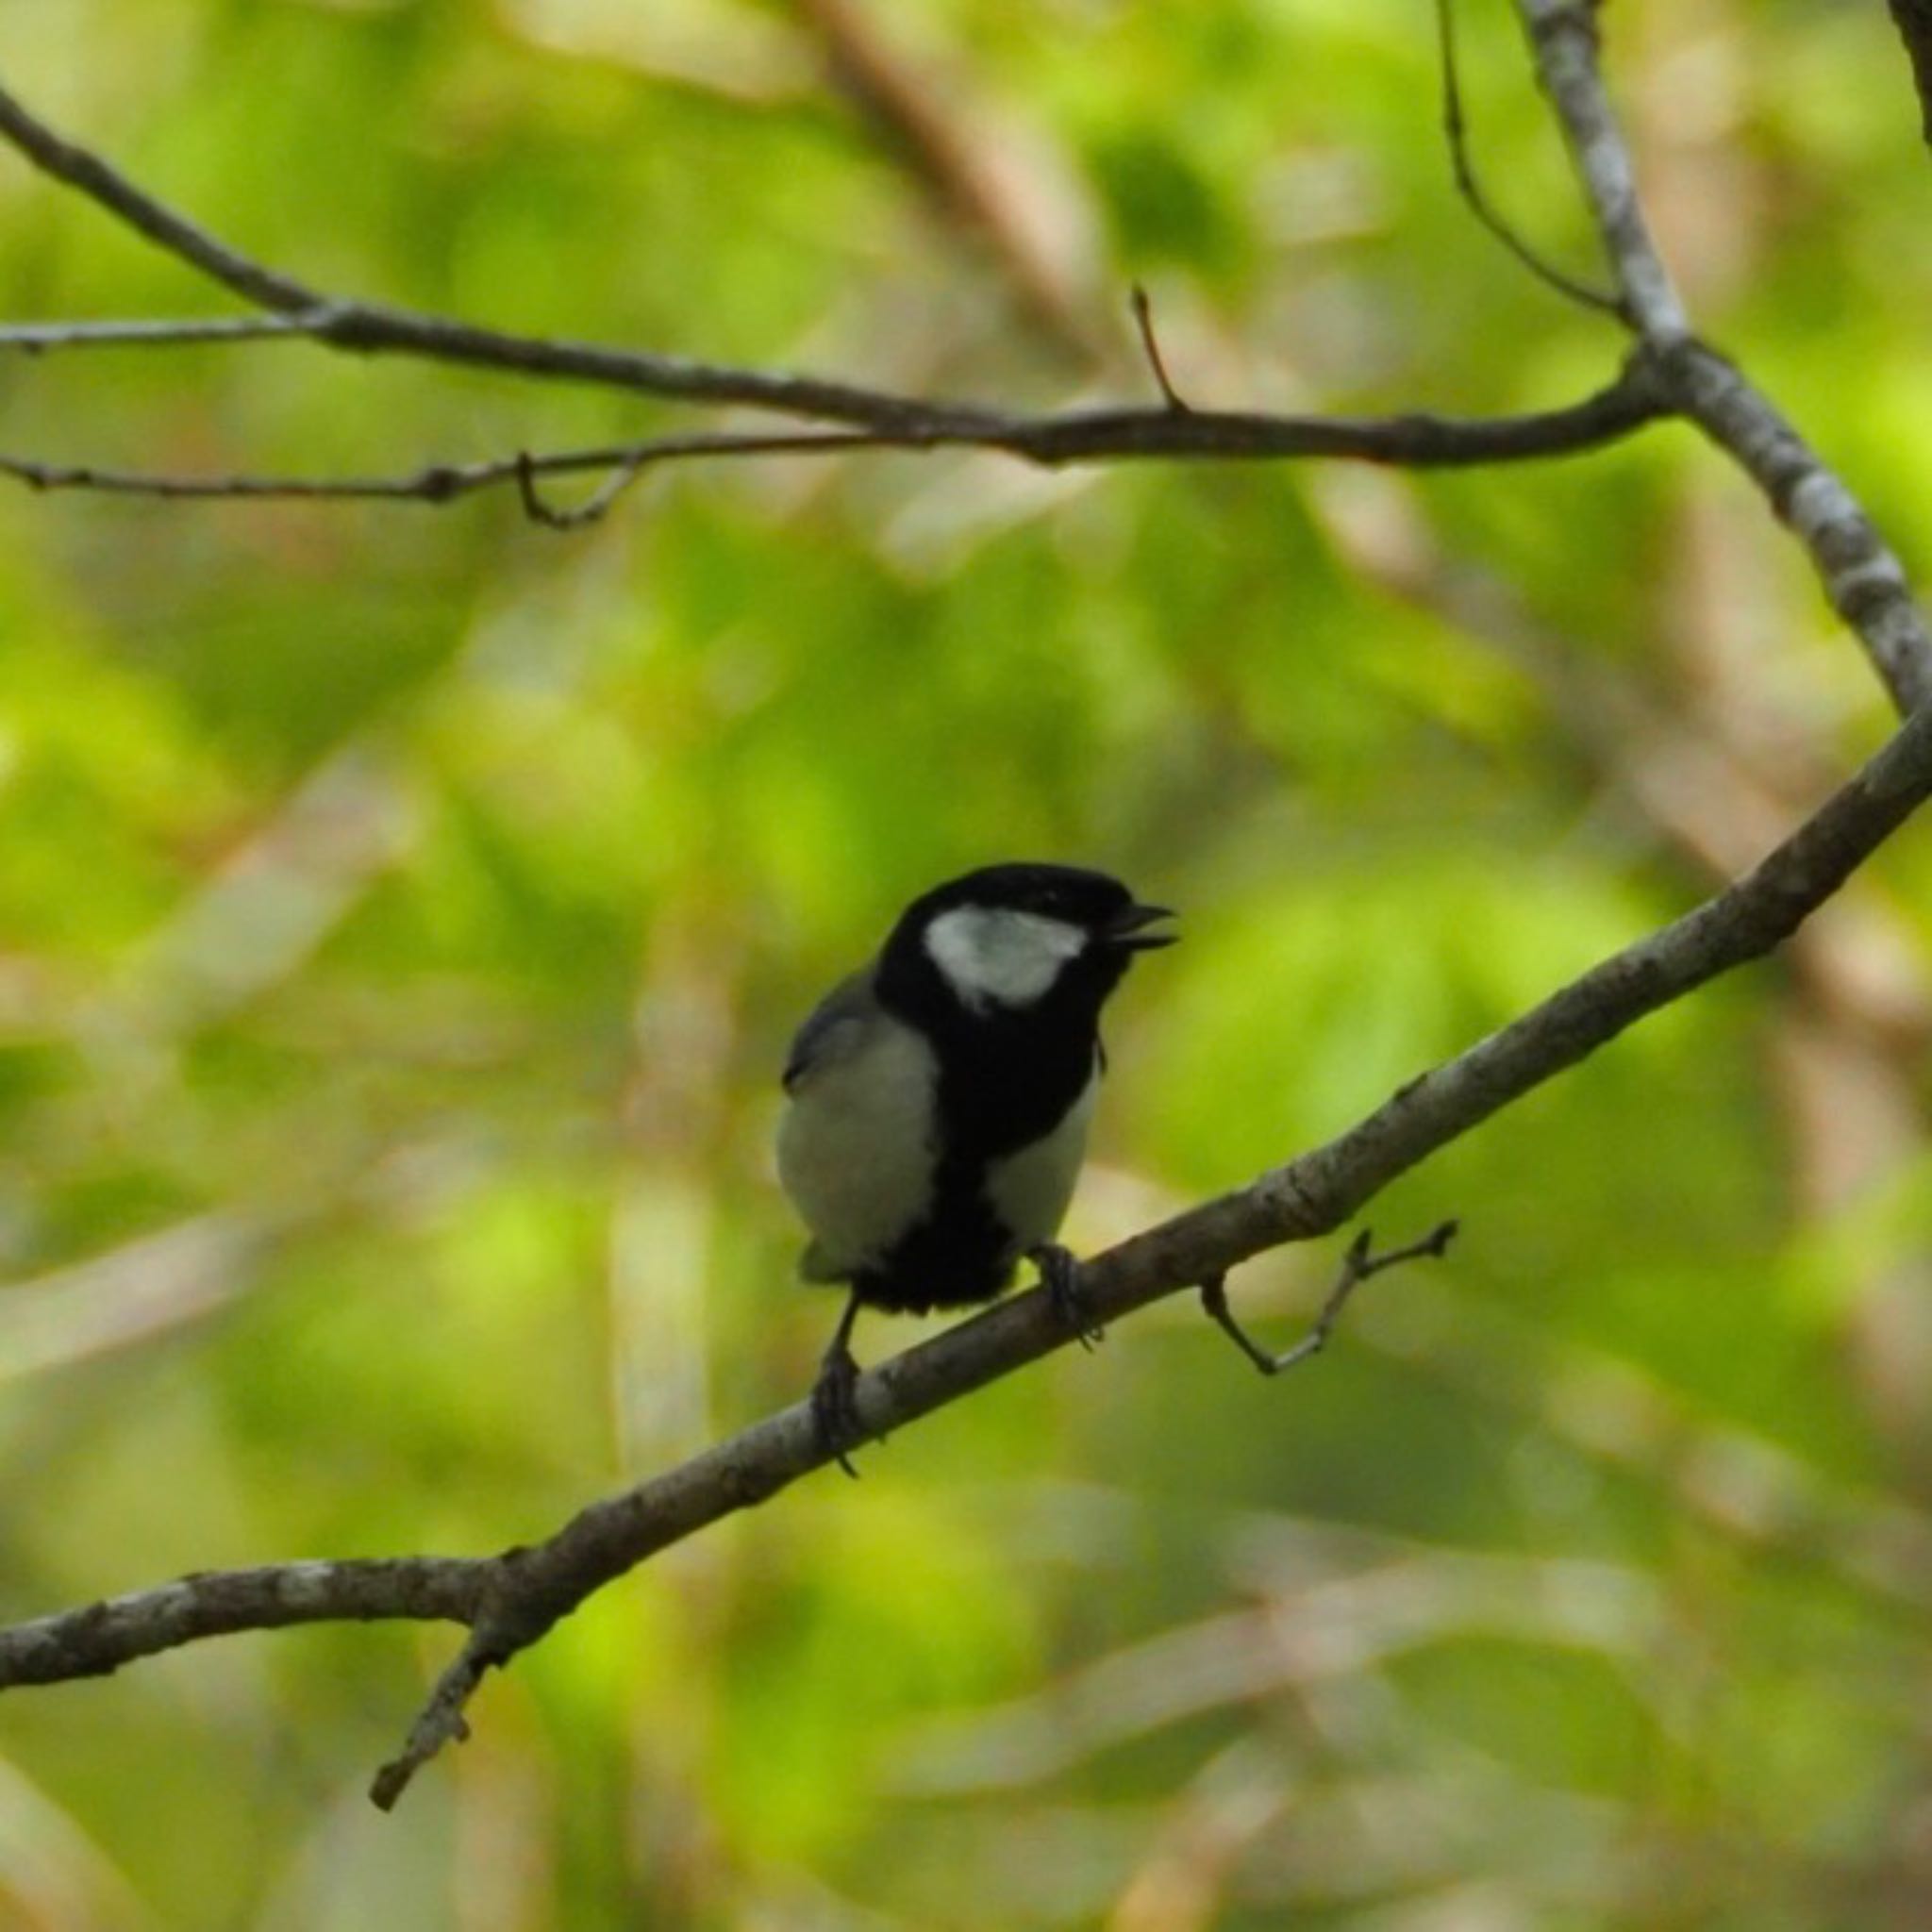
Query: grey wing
{"x": 832, "y": 1029}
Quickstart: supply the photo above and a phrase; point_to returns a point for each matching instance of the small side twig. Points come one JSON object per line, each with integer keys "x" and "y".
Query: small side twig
{"x": 444, "y": 483}
{"x": 1357, "y": 1265}
{"x": 438, "y": 1722}
{"x": 624, "y": 473}
{"x": 1149, "y": 345}
{"x": 1456, "y": 129}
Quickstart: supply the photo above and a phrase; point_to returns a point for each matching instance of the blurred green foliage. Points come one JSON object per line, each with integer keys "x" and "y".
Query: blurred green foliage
{"x": 403, "y": 912}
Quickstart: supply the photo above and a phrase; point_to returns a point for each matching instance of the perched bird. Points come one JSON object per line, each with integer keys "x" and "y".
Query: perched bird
{"x": 939, "y": 1100}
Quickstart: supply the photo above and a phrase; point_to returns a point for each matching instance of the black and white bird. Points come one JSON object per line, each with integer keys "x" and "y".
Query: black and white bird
{"x": 939, "y": 1099}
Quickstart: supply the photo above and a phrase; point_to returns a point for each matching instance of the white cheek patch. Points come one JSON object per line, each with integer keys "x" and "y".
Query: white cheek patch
{"x": 992, "y": 954}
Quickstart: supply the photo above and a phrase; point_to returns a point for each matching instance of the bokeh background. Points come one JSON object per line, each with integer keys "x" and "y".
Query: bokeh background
{"x": 403, "y": 912}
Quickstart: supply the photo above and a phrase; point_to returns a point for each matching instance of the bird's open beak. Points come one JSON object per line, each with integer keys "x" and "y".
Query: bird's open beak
{"x": 1129, "y": 930}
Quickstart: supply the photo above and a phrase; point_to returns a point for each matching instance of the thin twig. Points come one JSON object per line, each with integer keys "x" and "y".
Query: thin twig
{"x": 1863, "y": 578}
{"x": 38, "y": 338}
{"x": 1455, "y": 128}
{"x": 1150, "y": 345}
{"x": 1357, "y": 1266}
{"x": 905, "y": 422}
{"x": 441, "y": 1722}
{"x": 1415, "y": 441}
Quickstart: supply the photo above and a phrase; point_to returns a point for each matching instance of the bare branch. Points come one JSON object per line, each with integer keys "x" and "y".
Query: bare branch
{"x": 1563, "y": 36}
{"x": 1415, "y": 441}
{"x": 35, "y": 338}
{"x": 437, "y": 483}
{"x": 372, "y": 328}
{"x": 509, "y": 1602}
{"x": 904, "y": 421}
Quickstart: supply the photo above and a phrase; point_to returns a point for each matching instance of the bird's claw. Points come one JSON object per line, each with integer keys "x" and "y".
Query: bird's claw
{"x": 835, "y": 1406}
{"x": 1059, "y": 1275}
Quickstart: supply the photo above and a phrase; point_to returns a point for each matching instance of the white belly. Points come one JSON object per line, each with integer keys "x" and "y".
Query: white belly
{"x": 1030, "y": 1189}
{"x": 855, "y": 1149}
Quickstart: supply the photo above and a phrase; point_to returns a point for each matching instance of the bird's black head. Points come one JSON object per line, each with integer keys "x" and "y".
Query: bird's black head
{"x": 1018, "y": 940}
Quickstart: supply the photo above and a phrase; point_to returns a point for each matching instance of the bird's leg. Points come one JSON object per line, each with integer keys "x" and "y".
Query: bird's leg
{"x": 834, "y": 1404}
{"x": 1059, "y": 1275}
{"x": 1356, "y": 1266}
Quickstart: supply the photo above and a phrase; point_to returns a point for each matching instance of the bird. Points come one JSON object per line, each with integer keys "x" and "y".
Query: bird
{"x": 938, "y": 1101}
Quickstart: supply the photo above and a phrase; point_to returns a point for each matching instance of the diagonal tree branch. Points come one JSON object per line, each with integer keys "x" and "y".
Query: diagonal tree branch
{"x": 1469, "y": 183}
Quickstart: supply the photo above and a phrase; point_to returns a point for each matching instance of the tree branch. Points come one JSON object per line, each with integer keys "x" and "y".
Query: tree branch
{"x": 877, "y": 418}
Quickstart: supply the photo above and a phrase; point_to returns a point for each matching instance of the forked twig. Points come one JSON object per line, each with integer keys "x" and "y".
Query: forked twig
{"x": 1357, "y": 1265}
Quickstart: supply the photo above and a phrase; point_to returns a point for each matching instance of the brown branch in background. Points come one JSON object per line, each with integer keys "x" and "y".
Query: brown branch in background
{"x": 1913, "y": 19}
{"x": 35, "y": 338}
{"x": 435, "y": 483}
{"x": 877, "y": 418}
{"x": 960, "y": 164}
